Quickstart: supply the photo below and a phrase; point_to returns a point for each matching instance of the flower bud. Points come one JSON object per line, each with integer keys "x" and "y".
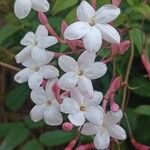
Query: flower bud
{"x": 116, "y": 84}
{"x": 42, "y": 17}
{"x": 114, "y": 107}
{"x": 124, "y": 46}
{"x": 67, "y": 126}
{"x": 116, "y": 2}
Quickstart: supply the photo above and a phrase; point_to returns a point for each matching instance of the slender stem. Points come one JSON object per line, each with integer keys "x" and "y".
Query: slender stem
{"x": 94, "y": 3}
{"x": 9, "y": 66}
{"x": 127, "y": 74}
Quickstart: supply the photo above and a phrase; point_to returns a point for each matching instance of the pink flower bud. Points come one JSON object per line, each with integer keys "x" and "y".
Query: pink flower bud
{"x": 42, "y": 17}
{"x": 114, "y": 107}
{"x": 124, "y": 46}
{"x": 114, "y": 49}
{"x": 63, "y": 26}
{"x": 67, "y": 126}
{"x": 116, "y": 2}
{"x": 56, "y": 90}
{"x": 116, "y": 84}
{"x": 86, "y": 147}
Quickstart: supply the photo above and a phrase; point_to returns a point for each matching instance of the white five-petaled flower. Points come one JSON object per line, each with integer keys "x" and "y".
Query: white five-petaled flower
{"x": 81, "y": 108}
{"x": 103, "y": 131}
{"x": 80, "y": 72}
{"x": 35, "y": 46}
{"x": 35, "y": 73}
{"x": 93, "y": 26}
{"x": 46, "y": 107}
{"x": 22, "y": 8}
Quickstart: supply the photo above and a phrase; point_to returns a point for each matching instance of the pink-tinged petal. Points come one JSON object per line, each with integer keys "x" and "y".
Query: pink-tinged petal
{"x": 85, "y": 86}
{"x": 23, "y": 55}
{"x": 95, "y": 114}
{"x": 76, "y": 30}
{"x": 107, "y": 14}
{"x": 49, "y": 71}
{"x": 41, "y": 32}
{"x": 109, "y": 33}
{"x": 90, "y": 129}
{"x": 95, "y": 70}
{"x": 92, "y": 40}
{"x": 85, "y": 11}
{"x": 76, "y": 94}
{"x": 28, "y": 39}
{"x": 69, "y": 105}
{"x": 112, "y": 117}
{"x": 77, "y": 119}
{"x": 117, "y": 132}
{"x": 102, "y": 139}
{"x": 35, "y": 80}
{"x": 68, "y": 81}
{"x": 22, "y": 8}
{"x": 86, "y": 58}
{"x": 23, "y": 75}
{"x": 40, "y": 5}
{"x": 41, "y": 56}
{"x": 37, "y": 112}
{"x": 47, "y": 41}
{"x": 52, "y": 116}
{"x": 67, "y": 63}
{"x": 38, "y": 96}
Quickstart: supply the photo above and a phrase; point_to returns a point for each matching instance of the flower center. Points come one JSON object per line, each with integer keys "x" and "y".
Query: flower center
{"x": 80, "y": 72}
{"x": 49, "y": 103}
{"x": 82, "y": 108}
{"x": 93, "y": 21}
{"x": 36, "y": 69}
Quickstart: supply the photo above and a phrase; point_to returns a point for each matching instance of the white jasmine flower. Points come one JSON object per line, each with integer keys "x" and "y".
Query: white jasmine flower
{"x": 35, "y": 46}
{"x": 80, "y": 72}
{"x": 80, "y": 107}
{"x": 103, "y": 131}
{"x": 35, "y": 73}
{"x": 46, "y": 107}
{"x": 22, "y": 8}
{"x": 93, "y": 26}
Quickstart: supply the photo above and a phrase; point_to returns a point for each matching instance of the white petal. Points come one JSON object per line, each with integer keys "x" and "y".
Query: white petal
{"x": 41, "y": 56}
{"x": 95, "y": 100}
{"x": 95, "y": 115}
{"x": 107, "y": 14}
{"x": 76, "y": 94}
{"x": 69, "y": 105}
{"x": 47, "y": 41}
{"x": 95, "y": 70}
{"x": 23, "y": 55}
{"x": 22, "y": 8}
{"x": 28, "y": 62}
{"x": 85, "y": 86}
{"x": 76, "y": 30}
{"x": 52, "y": 116}
{"x": 49, "y": 71}
{"x": 85, "y": 58}
{"x": 68, "y": 81}
{"x": 41, "y": 32}
{"x": 23, "y": 75}
{"x": 102, "y": 139}
{"x": 37, "y": 112}
{"x": 109, "y": 33}
{"x": 117, "y": 132}
{"x": 93, "y": 40}
{"x": 40, "y": 5}
{"x": 77, "y": 119}
{"x": 85, "y": 11}
{"x": 35, "y": 80}
{"x": 67, "y": 63}
{"x": 112, "y": 117}
{"x": 90, "y": 129}
{"x": 28, "y": 39}
{"x": 38, "y": 96}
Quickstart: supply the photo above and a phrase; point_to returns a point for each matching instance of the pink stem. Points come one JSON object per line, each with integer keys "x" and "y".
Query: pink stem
{"x": 94, "y": 3}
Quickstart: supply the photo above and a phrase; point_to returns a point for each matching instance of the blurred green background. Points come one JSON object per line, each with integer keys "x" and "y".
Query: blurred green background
{"x": 17, "y": 131}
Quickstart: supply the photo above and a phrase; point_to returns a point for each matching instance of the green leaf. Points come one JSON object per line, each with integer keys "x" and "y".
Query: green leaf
{"x": 7, "y": 31}
{"x": 32, "y": 145}
{"x": 143, "y": 110}
{"x": 16, "y": 135}
{"x": 71, "y": 16}
{"x": 16, "y": 98}
{"x": 143, "y": 9}
{"x": 56, "y": 137}
{"x": 137, "y": 38}
{"x": 62, "y": 5}
{"x": 132, "y": 2}
{"x": 120, "y": 20}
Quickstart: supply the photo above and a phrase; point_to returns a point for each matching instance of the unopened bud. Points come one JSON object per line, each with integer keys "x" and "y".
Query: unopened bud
{"x": 67, "y": 126}
{"x": 116, "y": 84}
{"x": 42, "y": 17}
{"x": 124, "y": 46}
{"x": 114, "y": 107}
{"x": 116, "y": 2}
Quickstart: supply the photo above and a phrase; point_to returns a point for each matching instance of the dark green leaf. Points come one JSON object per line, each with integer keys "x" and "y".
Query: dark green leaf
{"x": 143, "y": 110}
